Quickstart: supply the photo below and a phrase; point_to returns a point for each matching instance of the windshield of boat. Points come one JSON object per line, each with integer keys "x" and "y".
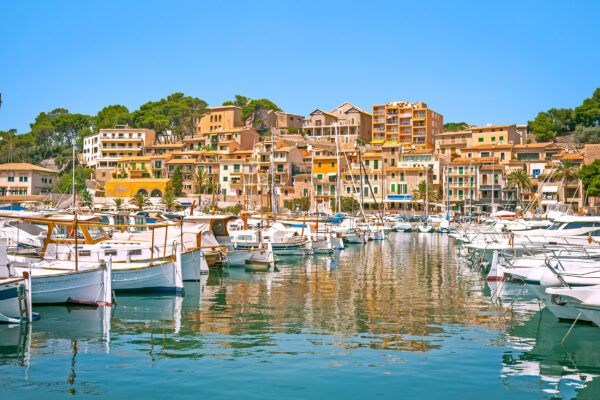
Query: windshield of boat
{"x": 28, "y": 227}
{"x": 95, "y": 232}
{"x": 554, "y": 226}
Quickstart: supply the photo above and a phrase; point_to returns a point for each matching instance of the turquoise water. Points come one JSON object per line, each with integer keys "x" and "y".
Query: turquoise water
{"x": 402, "y": 318}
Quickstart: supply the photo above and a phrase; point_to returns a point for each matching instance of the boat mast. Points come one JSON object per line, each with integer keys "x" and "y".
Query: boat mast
{"x": 312, "y": 172}
{"x": 426, "y": 195}
{"x": 360, "y": 169}
{"x": 337, "y": 148}
{"x": 74, "y": 185}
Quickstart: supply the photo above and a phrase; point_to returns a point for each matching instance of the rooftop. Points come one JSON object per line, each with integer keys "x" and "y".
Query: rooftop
{"x": 24, "y": 167}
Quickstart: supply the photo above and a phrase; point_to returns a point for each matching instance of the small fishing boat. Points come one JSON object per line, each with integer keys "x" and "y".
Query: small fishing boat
{"x": 15, "y": 301}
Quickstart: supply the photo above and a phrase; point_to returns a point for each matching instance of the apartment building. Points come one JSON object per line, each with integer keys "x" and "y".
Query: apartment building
{"x": 105, "y": 148}
{"x": 347, "y": 122}
{"x": 23, "y": 179}
{"x": 497, "y": 134}
{"x": 410, "y": 124}
{"x": 452, "y": 143}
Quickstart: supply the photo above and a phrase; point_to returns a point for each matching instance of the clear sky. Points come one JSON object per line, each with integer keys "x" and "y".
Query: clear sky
{"x": 479, "y": 61}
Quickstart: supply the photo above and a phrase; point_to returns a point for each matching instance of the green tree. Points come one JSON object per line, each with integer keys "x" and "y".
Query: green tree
{"x": 169, "y": 201}
{"x": 587, "y": 134}
{"x": 543, "y": 127}
{"x": 298, "y": 204}
{"x": 455, "y": 126}
{"x": 200, "y": 178}
{"x": 590, "y": 177}
{"x": 249, "y": 106}
{"x": 422, "y": 191}
{"x": 518, "y": 179}
{"x": 588, "y": 114}
{"x": 111, "y": 116}
{"x": 140, "y": 201}
{"x": 118, "y": 203}
{"x": 176, "y": 114}
{"x": 177, "y": 181}
{"x": 566, "y": 172}
{"x": 349, "y": 204}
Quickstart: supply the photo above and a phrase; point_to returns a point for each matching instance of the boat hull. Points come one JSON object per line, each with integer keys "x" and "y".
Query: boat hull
{"x": 147, "y": 278}
{"x": 82, "y": 287}
{"x": 193, "y": 265}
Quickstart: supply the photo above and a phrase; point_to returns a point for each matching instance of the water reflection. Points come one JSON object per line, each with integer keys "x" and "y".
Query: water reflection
{"x": 405, "y": 300}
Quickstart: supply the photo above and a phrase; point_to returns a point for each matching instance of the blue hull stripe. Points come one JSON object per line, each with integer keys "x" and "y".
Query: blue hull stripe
{"x": 10, "y": 293}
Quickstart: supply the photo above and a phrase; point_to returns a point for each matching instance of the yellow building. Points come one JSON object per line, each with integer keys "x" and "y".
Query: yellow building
{"x": 497, "y": 134}
{"x": 410, "y": 124}
{"x": 141, "y": 174}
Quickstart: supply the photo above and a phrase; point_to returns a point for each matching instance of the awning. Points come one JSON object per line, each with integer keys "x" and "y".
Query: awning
{"x": 550, "y": 189}
{"x": 377, "y": 141}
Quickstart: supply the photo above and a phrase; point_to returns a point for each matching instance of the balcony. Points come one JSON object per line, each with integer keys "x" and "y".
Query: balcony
{"x": 405, "y": 115}
{"x": 392, "y": 121}
{"x": 379, "y": 120}
{"x": 405, "y": 122}
{"x": 379, "y": 111}
{"x": 392, "y": 138}
{"x": 379, "y": 137}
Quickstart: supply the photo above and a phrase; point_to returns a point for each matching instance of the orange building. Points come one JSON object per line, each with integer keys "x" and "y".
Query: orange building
{"x": 410, "y": 124}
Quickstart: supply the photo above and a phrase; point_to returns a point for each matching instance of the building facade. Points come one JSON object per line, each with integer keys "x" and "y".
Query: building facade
{"x": 410, "y": 124}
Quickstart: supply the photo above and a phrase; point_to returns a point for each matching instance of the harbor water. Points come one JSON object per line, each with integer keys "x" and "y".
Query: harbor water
{"x": 402, "y": 318}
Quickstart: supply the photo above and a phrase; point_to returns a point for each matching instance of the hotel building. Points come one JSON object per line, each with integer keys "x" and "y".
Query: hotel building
{"x": 410, "y": 124}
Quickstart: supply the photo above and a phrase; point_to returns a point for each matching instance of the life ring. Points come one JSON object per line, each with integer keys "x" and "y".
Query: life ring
{"x": 519, "y": 215}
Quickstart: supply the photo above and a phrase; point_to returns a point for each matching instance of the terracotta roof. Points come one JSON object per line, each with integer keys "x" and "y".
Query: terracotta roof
{"x": 535, "y": 145}
{"x": 165, "y": 145}
{"x": 182, "y": 161}
{"x": 135, "y": 158}
{"x": 489, "y": 147}
{"x": 493, "y": 127}
{"x": 409, "y": 169}
{"x": 24, "y": 167}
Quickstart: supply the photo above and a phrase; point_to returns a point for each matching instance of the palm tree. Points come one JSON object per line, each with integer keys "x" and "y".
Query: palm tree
{"x": 169, "y": 201}
{"x": 200, "y": 178}
{"x": 565, "y": 172}
{"x": 420, "y": 192}
{"x": 140, "y": 200}
{"x": 518, "y": 179}
{"x": 118, "y": 203}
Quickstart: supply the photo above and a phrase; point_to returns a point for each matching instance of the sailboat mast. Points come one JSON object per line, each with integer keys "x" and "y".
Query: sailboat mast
{"x": 74, "y": 185}
{"x": 338, "y": 177}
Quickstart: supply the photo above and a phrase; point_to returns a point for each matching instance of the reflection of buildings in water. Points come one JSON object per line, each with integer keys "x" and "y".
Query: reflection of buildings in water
{"x": 564, "y": 371}
{"x": 410, "y": 285}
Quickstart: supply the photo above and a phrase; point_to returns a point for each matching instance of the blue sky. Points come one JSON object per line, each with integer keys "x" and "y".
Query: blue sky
{"x": 479, "y": 62}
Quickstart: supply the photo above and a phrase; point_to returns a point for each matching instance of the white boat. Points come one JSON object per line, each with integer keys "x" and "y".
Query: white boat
{"x": 14, "y": 300}
{"x": 425, "y": 228}
{"x": 402, "y": 227}
{"x": 57, "y": 282}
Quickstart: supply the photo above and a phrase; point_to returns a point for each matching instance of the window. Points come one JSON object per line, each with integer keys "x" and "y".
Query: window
{"x": 376, "y": 164}
{"x": 501, "y": 137}
{"x": 319, "y": 176}
{"x": 393, "y": 187}
{"x": 481, "y": 139}
{"x": 225, "y": 167}
{"x": 333, "y": 164}
{"x": 11, "y": 178}
{"x": 493, "y": 138}
{"x": 375, "y": 189}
